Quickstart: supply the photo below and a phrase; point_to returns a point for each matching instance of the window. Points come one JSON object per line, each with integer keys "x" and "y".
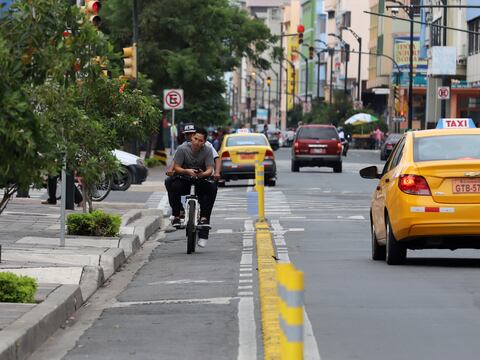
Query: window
{"x": 317, "y": 133}
{"x": 331, "y": 14}
{"x": 346, "y": 18}
{"x": 449, "y": 147}
{"x": 473, "y": 39}
{"x": 436, "y": 33}
{"x": 247, "y": 140}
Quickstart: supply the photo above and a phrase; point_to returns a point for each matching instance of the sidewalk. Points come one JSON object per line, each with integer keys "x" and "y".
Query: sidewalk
{"x": 67, "y": 276}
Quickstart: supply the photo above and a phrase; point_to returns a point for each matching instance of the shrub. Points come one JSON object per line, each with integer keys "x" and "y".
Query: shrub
{"x": 17, "y": 289}
{"x": 151, "y": 162}
{"x": 96, "y": 223}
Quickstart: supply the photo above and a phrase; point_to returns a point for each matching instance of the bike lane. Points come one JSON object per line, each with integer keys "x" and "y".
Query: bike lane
{"x": 179, "y": 306}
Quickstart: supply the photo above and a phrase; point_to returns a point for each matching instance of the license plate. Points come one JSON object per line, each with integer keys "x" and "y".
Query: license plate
{"x": 466, "y": 186}
{"x": 247, "y": 156}
{"x": 318, "y": 151}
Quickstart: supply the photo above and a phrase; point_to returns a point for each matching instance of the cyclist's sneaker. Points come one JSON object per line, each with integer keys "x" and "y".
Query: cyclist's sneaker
{"x": 204, "y": 224}
{"x": 176, "y": 223}
{"x": 202, "y": 242}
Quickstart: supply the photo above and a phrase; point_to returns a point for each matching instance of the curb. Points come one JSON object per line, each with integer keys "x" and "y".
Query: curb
{"x": 22, "y": 337}
{"x": 29, "y": 331}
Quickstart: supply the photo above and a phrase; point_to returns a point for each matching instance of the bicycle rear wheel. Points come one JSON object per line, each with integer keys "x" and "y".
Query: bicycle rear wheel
{"x": 101, "y": 190}
{"x": 191, "y": 231}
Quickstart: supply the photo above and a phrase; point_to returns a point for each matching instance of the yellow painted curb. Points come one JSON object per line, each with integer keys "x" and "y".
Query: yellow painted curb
{"x": 267, "y": 284}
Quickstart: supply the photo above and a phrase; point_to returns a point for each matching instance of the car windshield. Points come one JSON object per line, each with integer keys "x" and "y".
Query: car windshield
{"x": 448, "y": 147}
{"x": 247, "y": 140}
{"x": 317, "y": 133}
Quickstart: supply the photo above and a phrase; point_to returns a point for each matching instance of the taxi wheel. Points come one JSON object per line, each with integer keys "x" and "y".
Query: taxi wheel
{"x": 378, "y": 251}
{"x": 395, "y": 252}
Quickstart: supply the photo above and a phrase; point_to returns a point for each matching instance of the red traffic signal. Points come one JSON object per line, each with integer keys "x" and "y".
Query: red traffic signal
{"x": 300, "y": 29}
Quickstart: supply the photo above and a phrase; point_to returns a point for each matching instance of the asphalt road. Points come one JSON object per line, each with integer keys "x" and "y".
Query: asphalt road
{"x": 169, "y": 305}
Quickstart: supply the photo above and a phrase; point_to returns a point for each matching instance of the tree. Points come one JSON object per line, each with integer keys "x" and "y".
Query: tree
{"x": 58, "y": 106}
{"x": 190, "y": 45}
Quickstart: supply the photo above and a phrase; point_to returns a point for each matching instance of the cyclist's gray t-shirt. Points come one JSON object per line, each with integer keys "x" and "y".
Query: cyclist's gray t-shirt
{"x": 188, "y": 159}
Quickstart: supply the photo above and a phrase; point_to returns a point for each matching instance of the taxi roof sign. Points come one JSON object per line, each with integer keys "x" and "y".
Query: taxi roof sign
{"x": 456, "y": 124}
{"x": 243, "y": 131}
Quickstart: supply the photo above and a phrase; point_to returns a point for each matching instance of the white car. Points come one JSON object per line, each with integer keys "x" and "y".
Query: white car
{"x": 133, "y": 170}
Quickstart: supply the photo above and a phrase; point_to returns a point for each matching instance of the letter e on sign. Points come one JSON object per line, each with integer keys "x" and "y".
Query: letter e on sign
{"x": 443, "y": 92}
{"x": 173, "y": 99}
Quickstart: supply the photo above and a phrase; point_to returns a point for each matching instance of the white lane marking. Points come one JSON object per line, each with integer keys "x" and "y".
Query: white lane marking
{"x": 237, "y": 218}
{"x": 246, "y": 259}
{"x": 354, "y": 217}
{"x": 163, "y": 203}
{"x": 245, "y": 275}
{"x": 245, "y": 280}
{"x": 245, "y": 293}
{"x": 245, "y": 287}
{"x": 310, "y": 343}
{"x": 210, "y": 301}
{"x": 224, "y": 231}
{"x": 247, "y": 342}
{"x": 296, "y": 229}
{"x": 186, "y": 281}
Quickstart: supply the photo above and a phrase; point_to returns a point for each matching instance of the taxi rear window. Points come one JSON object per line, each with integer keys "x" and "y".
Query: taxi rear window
{"x": 246, "y": 141}
{"x": 451, "y": 147}
{"x": 317, "y": 133}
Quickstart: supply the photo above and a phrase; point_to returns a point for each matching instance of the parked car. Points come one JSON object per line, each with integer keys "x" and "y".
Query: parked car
{"x": 238, "y": 152}
{"x": 317, "y": 145}
{"x": 133, "y": 170}
{"x": 388, "y": 145}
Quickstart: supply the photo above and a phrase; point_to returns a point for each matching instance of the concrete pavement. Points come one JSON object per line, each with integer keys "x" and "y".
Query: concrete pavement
{"x": 67, "y": 276}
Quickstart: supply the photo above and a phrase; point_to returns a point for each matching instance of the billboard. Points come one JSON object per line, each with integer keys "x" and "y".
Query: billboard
{"x": 402, "y": 54}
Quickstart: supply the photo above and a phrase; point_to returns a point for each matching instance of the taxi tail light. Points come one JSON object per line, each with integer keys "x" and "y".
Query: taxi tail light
{"x": 414, "y": 185}
{"x": 225, "y": 155}
{"x": 269, "y": 155}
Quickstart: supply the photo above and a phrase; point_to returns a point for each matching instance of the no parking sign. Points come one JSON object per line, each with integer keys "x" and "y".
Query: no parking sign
{"x": 173, "y": 99}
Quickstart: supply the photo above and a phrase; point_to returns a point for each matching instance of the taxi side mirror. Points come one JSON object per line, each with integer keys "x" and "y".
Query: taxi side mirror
{"x": 370, "y": 172}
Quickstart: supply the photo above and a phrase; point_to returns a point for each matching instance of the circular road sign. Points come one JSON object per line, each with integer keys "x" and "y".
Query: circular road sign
{"x": 443, "y": 92}
{"x": 173, "y": 99}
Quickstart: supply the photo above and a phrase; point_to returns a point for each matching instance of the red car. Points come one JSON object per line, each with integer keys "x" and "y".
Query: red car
{"x": 317, "y": 145}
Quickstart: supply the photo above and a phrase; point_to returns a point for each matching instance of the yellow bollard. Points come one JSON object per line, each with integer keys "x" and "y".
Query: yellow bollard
{"x": 260, "y": 184}
{"x": 290, "y": 292}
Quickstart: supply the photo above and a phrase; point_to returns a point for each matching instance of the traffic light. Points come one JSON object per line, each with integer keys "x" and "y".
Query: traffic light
{"x": 92, "y": 8}
{"x": 130, "y": 62}
{"x": 300, "y": 30}
{"x": 269, "y": 81}
{"x": 311, "y": 52}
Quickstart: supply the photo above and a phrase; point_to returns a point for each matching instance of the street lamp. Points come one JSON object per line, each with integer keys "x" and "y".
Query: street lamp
{"x": 346, "y": 47}
{"x": 410, "y": 11}
{"x": 269, "y": 83}
{"x": 306, "y": 73}
{"x": 359, "y": 39}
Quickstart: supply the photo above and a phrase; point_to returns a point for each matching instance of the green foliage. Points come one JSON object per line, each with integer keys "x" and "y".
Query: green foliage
{"x": 96, "y": 223}
{"x": 190, "y": 45}
{"x": 55, "y": 101}
{"x": 17, "y": 289}
{"x": 152, "y": 162}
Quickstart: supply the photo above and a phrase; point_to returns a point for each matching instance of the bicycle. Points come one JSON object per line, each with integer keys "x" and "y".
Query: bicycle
{"x": 99, "y": 192}
{"x": 192, "y": 214}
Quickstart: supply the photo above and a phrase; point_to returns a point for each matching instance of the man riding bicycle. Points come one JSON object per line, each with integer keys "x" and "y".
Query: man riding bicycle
{"x": 194, "y": 160}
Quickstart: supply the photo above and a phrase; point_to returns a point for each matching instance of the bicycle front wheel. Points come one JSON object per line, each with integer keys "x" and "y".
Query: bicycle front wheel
{"x": 191, "y": 231}
{"x": 101, "y": 190}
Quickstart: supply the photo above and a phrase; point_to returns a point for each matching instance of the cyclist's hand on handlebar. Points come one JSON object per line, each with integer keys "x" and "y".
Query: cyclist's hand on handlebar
{"x": 216, "y": 176}
{"x": 191, "y": 172}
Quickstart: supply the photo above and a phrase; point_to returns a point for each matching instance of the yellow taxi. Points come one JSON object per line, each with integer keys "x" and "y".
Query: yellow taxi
{"x": 238, "y": 152}
{"x": 428, "y": 194}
